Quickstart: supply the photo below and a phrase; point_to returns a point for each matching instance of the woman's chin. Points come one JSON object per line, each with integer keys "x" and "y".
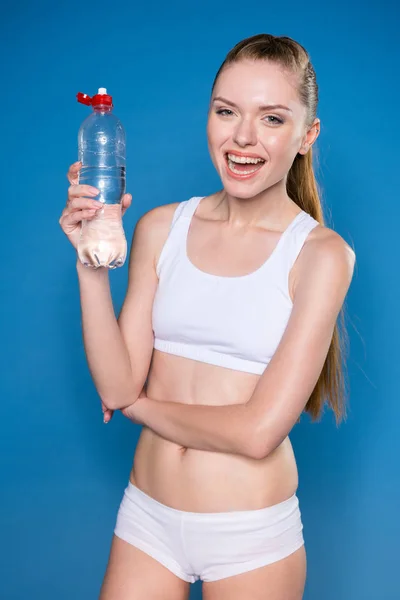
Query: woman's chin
{"x": 242, "y": 189}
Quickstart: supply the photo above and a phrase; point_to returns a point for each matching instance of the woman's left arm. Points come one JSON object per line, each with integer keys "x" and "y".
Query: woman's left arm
{"x": 256, "y": 428}
{"x": 212, "y": 428}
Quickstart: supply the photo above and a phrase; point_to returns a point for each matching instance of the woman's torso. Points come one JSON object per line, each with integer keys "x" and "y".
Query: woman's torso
{"x": 202, "y": 481}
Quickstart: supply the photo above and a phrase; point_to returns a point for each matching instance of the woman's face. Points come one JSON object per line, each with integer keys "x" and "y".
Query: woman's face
{"x": 239, "y": 121}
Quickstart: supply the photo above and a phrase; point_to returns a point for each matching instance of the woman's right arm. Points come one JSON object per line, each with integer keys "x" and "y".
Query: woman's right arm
{"x": 118, "y": 351}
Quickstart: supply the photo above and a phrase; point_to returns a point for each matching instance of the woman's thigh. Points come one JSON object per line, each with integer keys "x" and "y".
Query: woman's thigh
{"x": 134, "y": 575}
{"x": 281, "y": 580}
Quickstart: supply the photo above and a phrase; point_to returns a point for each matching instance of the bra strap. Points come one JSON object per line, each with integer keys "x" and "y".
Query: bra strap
{"x": 298, "y": 235}
{"x": 190, "y": 206}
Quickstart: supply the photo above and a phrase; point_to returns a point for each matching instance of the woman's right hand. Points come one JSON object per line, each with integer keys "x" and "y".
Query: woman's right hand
{"x": 78, "y": 207}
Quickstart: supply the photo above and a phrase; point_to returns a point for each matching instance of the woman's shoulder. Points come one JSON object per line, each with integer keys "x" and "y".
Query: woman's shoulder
{"x": 159, "y": 218}
{"x": 162, "y": 216}
{"x": 322, "y": 236}
{"x": 155, "y": 224}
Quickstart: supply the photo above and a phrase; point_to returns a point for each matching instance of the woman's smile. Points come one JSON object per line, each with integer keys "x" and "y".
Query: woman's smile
{"x": 238, "y": 169}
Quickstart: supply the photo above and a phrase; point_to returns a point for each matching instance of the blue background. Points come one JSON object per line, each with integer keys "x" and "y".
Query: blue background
{"x": 62, "y": 471}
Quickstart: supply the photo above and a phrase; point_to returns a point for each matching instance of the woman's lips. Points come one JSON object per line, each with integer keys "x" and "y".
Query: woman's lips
{"x": 255, "y": 168}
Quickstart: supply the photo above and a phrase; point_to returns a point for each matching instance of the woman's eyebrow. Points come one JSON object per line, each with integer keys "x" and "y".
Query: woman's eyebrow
{"x": 261, "y": 108}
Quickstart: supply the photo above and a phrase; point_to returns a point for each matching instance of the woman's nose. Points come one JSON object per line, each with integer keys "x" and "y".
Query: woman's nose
{"x": 245, "y": 133}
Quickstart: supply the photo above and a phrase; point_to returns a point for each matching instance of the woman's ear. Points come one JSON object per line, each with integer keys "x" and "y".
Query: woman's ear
{"x": 310, "y": 136}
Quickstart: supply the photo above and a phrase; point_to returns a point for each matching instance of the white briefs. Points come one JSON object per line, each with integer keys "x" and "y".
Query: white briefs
{"x": 209, "y": 546}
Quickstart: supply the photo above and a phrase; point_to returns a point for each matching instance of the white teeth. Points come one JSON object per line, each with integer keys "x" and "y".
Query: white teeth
{"x": 241, "y": 172}
{"x": 244, "y": 159}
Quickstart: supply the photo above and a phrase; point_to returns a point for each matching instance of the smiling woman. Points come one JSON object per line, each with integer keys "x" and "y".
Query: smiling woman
{"x": 229, "y": 329}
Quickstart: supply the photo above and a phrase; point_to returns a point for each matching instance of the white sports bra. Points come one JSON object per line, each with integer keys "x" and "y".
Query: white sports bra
{"x": 233, "y": 322}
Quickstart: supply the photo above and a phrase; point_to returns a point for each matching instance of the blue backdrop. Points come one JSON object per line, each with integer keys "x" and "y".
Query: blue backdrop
{"x": 62, "y": 470}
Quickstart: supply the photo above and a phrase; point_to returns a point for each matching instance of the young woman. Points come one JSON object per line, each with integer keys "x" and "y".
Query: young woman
{"x": 227, "y": 334}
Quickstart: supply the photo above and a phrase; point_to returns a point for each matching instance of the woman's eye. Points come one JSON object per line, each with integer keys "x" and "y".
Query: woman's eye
{"x": 277, "y": 120}
{"x": 223, "y": 110}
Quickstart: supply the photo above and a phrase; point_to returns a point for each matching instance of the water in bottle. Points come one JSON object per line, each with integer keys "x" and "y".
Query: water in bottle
{"x": 101, "y": 149}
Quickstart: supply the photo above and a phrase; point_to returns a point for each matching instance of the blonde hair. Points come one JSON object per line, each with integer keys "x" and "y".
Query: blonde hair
{"x": 303, "y": 189}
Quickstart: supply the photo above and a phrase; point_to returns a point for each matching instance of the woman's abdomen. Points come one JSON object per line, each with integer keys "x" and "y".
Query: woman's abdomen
{"x": 202, "y": 481}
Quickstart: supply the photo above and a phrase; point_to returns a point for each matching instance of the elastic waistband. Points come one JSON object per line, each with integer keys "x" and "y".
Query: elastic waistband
{"x": 283, "y": 509}
{"x": 207, "y": 355}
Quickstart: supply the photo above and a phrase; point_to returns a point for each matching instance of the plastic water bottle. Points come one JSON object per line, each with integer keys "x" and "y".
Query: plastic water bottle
{"x": 101, "y": 149}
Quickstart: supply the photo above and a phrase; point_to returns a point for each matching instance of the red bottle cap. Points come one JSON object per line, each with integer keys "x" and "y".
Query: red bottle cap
{"x": 100, "y": 98}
